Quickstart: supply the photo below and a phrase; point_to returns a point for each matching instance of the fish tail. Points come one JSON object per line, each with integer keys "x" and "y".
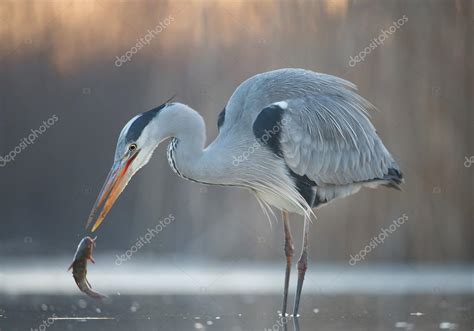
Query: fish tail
{"x": 93, "y": 294}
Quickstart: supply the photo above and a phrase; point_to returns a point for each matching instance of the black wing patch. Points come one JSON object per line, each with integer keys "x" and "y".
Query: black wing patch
{"x": 305, "y": 187}
{"x": 267, "y": 128}
{"x": 221, "y": 119}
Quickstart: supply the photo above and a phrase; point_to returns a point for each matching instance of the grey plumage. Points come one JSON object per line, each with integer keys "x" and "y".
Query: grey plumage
{"x": 325, "y": 146}
{"x": 295, "y": 138}
{"x": 327, "y": 136}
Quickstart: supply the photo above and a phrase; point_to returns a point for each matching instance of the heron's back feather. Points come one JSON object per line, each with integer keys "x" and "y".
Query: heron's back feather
{"x": 324, "y": 134}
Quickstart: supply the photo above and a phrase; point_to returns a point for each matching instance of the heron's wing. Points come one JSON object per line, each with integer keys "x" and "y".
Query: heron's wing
{"x": 329, "y": 139}
{"x": 325, "y": 131}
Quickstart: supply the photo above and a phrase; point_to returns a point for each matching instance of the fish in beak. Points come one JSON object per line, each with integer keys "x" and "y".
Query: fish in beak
{"x": 116, "y": 181}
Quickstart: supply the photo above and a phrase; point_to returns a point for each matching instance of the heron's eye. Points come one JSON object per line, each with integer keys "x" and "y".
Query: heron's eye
{"x": 132, "y": 147}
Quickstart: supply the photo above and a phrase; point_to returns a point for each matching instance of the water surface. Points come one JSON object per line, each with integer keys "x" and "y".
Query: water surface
{"x": 233, "y": 312}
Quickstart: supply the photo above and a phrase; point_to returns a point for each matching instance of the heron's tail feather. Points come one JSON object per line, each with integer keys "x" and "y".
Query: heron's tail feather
{"x": 394, "y": 179}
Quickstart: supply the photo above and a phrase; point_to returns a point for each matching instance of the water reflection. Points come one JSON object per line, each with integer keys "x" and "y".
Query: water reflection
{"x": 351, "y": 312}
{"x": 59, "y": 57}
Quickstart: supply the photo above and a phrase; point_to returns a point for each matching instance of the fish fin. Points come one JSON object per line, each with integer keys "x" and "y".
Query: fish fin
{"x": 91, "y": 259}
{"x": 70, "y": 267}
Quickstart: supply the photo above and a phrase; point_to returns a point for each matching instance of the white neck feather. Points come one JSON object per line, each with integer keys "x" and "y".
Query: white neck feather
{"x": 189, "y": 130}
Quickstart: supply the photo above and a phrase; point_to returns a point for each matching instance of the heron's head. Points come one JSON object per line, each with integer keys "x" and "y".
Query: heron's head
{"x": 135, "y": 146}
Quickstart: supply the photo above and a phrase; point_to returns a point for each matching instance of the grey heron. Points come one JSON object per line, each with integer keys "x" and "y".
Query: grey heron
{"x": 296, "y": 138}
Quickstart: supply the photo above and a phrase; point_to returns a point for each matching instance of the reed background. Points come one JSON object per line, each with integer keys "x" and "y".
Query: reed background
{"x": 57, "y": 57}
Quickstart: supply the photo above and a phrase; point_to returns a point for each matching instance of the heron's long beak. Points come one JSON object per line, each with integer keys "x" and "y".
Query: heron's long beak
{"x": 114, "y": 184}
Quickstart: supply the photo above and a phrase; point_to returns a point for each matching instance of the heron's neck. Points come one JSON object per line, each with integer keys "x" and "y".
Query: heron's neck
{"x": 186, "y": 153}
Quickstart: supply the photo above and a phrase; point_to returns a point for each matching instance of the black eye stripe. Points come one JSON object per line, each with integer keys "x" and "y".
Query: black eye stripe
{"x": 135, "y": 130}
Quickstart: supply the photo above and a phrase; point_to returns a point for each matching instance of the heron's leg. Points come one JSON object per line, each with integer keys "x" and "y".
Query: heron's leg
{"x": 289, "y": 249}
{"x": 302, "y": 266}
{"x": 296, "y": 323}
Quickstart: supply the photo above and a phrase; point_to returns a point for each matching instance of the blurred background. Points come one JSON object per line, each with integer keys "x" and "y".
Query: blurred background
{"x": 61, "y": 58}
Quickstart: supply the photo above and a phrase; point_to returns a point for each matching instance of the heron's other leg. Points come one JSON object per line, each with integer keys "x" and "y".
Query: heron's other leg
{"x": 296, "y": 324}
{"x": 302, "y": 266}
{"x": 289, "y": 249}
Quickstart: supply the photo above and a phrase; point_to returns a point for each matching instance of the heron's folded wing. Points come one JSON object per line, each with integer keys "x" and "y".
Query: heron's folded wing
{"x": 329, "y": 138}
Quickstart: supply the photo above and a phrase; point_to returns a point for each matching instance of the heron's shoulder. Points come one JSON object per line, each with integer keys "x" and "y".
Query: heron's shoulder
{"x": 269, "y": 124}
{"x": 282, "y": 79}
{"x": 265, "y": 88}
{"x": 295, "y": 87}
